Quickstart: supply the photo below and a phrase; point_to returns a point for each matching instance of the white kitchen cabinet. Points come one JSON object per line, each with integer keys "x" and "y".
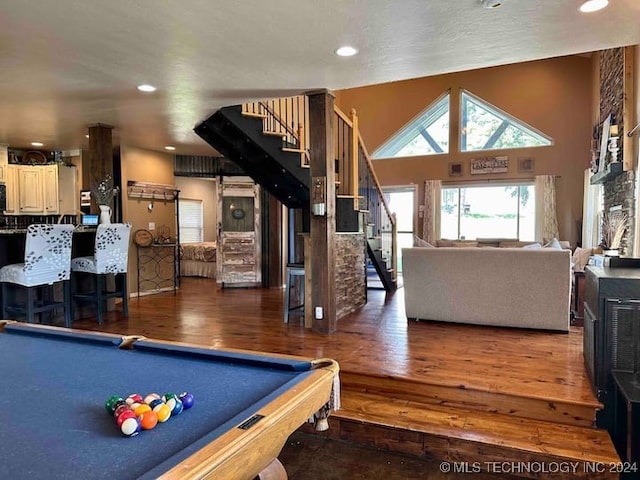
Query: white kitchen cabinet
{"x": 41, "y": 189}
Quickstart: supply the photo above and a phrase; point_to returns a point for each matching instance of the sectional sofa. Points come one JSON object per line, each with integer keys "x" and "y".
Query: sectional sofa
{"x": 510, "y": 287}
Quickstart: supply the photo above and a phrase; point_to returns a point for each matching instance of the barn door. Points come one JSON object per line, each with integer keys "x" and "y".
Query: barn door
{"x": 238, "y": 253}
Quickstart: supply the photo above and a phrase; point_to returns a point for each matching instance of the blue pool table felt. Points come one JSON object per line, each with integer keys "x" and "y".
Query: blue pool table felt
{"x": 54, "y": 423}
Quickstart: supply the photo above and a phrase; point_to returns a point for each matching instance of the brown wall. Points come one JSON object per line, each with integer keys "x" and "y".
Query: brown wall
{"x": 146, "y": 166}
{"x": 554, "y": 96}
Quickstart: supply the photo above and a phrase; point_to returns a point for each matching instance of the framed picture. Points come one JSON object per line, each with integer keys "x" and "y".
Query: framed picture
{"x": 526, "y": 165}
{"x": 455, "y": 169}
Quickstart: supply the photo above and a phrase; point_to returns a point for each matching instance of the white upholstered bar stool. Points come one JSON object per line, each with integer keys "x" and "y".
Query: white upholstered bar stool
{"x": 47, "y": 259}
{"x": 111, "y": 255}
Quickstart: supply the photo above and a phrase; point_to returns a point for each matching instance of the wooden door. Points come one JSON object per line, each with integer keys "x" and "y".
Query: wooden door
{"x": 238, "y": 253}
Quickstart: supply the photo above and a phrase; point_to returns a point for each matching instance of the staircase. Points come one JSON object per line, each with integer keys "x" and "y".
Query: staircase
{"x": 268, "y": 141}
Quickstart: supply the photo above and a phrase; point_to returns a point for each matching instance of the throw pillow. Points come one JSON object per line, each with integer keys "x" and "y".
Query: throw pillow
{"x": 553, "y": 243}
{"x": 580, "y": 258}
{"x": 418, "y": 242}
{"x": 533, "y": 246}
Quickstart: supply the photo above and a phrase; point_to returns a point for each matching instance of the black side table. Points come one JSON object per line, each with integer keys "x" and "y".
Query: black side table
{"x": 628, "y": 428}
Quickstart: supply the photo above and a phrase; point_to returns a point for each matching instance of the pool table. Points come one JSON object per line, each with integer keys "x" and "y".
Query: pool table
{"x": 54, "y": 423}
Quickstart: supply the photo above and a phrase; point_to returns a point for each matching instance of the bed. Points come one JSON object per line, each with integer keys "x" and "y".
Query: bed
{"x": 198, "y": 259}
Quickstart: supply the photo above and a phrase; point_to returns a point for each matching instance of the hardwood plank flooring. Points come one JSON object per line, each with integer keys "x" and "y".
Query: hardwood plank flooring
{"x": 428, "y": 389}
{"x": 376, "y": 340}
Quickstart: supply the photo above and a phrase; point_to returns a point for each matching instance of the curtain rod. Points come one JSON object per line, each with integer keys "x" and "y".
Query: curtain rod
{"x": 496, "y": 180}
{"x": 630, "y": 134}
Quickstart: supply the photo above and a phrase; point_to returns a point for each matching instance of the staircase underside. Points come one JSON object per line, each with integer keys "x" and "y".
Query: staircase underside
{"x": 241, "y": 139}
{"x": 473, "y": 428}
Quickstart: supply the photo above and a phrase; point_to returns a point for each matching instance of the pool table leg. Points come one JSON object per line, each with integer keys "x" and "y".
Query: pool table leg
{"x": 274, "y": 471}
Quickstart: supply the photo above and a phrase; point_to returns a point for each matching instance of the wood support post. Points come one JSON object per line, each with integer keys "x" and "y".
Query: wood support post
{"x": 323, "y": 219}
{"x": 100, "y": 155}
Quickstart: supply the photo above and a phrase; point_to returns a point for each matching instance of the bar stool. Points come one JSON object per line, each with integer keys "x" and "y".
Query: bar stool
{"x": 293, "y": 270}
{"x": 111, "y": 256}
{"x": 47, "y": 258}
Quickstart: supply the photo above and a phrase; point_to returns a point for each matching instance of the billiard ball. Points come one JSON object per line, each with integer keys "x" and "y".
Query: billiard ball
{"x": 150, "y": 397}
{"x": 109, "y": 405}
{"x": 187, "y": 400}
{"x": 163, "y": 412}
{"x": 148, "y": 420}
{"x": 123, "y": 416}
{"x": 177, "y": 408}
{"x": 134, "y": 398}
{"x": 120, "y": 409}
{"x": 155, "y": 403}
{"x": 130, "y": 426}
{"x": 141, "y": 409}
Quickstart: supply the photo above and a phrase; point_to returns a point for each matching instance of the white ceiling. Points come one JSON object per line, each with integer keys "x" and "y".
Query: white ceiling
{"x": 66, "y": 64}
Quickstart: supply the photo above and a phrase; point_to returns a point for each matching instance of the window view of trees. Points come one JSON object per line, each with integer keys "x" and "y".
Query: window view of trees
{"x": 485, "y": 127}
{"x": 488, "y": 212}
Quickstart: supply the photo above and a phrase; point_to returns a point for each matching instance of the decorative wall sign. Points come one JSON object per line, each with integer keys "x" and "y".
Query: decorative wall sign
{"x": 489, "y": 165}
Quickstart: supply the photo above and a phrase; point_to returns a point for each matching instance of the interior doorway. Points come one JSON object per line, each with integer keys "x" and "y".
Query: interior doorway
{"x": 401, "y": 201}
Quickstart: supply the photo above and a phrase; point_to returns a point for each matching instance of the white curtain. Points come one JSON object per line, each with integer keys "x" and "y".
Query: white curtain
{"x": 546, "y": 216}
{"x": 591, "y": 207}
{"x": 431, "y": 211}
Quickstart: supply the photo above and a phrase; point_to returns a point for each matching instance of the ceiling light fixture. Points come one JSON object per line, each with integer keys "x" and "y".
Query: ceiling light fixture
{"x": 491, "y": 3}
{"x": 170, "y": 148}
{"x": 37, "y": 144}
{"x": 593, "y": 5}
{"x": 146, "y": 88}
{"x": 346, "y": 51}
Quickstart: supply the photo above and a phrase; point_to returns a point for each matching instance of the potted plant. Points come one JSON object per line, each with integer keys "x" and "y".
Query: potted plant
{"x": 103, "y": 192}
{"x": 614, "y": 224}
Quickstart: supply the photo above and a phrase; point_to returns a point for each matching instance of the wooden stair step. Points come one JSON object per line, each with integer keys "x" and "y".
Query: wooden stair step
{"x": 274, "y": 134}
{"x": 459, "y": 395}
{"x": 456, "y": 434}
{"x": 293, "y": 150}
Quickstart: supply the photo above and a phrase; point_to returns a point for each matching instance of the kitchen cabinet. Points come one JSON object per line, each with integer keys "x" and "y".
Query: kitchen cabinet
{"x": 11, "y": 181}
{"x": 4, "y": 161}
{"x": 41, "y": 189}
{"x": 30, "y": 189}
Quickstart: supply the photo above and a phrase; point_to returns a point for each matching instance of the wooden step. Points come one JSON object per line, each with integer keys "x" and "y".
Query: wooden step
{"x": 459, "y": 395}
{"x": 293, "y": 150}
{"x": 274, "y": 134}
{"x": 477, "y": 438}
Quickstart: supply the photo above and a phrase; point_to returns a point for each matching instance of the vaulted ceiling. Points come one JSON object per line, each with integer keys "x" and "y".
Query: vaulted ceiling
{"x": 66, "y": 64}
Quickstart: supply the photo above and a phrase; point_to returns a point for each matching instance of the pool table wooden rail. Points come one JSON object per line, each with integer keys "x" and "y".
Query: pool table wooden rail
{"x": 245, "y": 453}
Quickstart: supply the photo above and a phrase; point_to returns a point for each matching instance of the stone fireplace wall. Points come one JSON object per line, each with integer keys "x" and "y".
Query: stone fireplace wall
{"x": 619, "y": 190}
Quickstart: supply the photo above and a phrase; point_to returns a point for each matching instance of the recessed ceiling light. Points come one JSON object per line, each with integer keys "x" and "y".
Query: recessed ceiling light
{"x": 346, "y": 51}
{"x": 37, "y": 144}
{"x": 147, "y": 88}
{"x": 593, "y": 5}
{"x": 170, "y": 148}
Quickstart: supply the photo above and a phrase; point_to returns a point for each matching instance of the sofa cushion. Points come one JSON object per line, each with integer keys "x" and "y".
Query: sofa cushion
{"x": 418, "y": 242}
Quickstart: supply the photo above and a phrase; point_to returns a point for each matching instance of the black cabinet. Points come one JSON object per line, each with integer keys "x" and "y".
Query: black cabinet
{"x": 611, "y": 336}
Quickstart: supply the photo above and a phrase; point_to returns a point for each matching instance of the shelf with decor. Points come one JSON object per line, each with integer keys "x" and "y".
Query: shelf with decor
{"x": 612, "y": 170}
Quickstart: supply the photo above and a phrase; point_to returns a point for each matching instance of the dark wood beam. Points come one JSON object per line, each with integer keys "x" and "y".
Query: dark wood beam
{"x": 322, "y": 226}
{"x": 100, "y": 155}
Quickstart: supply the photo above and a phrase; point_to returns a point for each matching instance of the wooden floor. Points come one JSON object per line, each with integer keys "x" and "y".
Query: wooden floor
{"x": 417, "y": 387}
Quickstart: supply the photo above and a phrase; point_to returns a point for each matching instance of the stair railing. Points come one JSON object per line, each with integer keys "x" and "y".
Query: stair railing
{"x": 287, "y": 118}
{"x": 358, "y": 179}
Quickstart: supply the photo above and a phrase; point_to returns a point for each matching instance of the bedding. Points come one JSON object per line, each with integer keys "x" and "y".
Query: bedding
{"x": 198, "y": 259}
